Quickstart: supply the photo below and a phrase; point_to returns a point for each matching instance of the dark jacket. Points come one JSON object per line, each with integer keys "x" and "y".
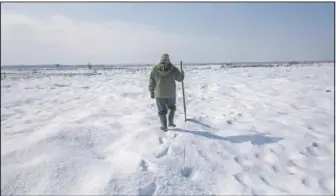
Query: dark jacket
{"x": 162, "y": 80}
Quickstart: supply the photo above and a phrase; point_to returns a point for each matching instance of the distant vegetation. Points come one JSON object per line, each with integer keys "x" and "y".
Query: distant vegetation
{"x": 145, "y": 66}
{"x": 29, "y": 71}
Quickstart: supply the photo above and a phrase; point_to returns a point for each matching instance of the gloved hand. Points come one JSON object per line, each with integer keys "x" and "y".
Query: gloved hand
{"x": 182, "y": 74}
{"x": 152, "y": 95}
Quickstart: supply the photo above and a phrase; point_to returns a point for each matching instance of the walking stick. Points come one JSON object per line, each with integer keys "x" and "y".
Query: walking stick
{"x": 184, "y": 105}
{"x": 185, "y": 169}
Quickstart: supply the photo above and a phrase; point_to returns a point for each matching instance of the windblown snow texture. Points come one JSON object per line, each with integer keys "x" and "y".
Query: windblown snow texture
{"x": 250, "y": 131}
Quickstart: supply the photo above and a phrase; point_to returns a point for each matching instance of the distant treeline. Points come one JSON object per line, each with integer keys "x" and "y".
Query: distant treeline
{"x": 288, "y": 64}
{"x": 231, "y": 64}
{"x": 263, "y": 63}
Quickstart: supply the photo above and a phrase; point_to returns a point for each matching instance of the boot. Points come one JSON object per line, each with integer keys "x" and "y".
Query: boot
{"x": 163, "y": 120}
{"x": 171, "y": 118}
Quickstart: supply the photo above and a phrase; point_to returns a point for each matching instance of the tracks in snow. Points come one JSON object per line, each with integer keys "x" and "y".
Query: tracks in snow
{"x": 82, "y": 147}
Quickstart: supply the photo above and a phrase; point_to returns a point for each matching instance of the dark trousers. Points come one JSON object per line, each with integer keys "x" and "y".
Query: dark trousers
{"x": 163, "y": 104}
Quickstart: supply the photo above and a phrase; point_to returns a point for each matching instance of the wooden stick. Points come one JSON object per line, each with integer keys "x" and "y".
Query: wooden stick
{"x": 184, "y": 104}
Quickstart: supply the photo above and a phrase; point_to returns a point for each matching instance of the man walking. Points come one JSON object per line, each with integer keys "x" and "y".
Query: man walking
{"x": 162, "y": 87}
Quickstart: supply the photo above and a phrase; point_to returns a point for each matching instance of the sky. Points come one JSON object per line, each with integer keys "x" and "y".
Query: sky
{"x": 117, "y": 33}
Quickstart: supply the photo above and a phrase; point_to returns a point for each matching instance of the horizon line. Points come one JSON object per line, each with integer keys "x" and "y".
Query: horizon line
{"x": 185, "y": 63}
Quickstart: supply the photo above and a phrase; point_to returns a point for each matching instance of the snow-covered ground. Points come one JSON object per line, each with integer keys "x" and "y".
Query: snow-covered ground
{"x": 251, "y": 131}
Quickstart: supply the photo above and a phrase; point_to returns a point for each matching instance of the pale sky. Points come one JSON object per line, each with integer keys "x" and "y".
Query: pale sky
{"x": 108, "y": 33}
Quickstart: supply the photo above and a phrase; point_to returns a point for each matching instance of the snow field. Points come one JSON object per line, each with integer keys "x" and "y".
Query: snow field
{"x": 250, "y": 131}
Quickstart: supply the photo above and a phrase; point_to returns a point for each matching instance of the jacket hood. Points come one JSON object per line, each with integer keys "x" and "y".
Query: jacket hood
{"x": 164, "y": 68}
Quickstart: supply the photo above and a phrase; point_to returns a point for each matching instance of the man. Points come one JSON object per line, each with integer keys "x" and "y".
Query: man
{"x": 162, "y": 87}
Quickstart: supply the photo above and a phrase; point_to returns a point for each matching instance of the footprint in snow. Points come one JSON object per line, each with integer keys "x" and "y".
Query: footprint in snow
{"x": 174, "y": 135}
{"x": 160, "y": 140}
{"x": 163, "y": 153}
{"x": 305, "y": 182}
{"x": 275, "y": 168}
{"x": 146, "y": 166}
{"x": 171, "y": 133}
{"x": 186, "y": 171}
{"x": 148, "y": 189}
{"x": 143, "y": 165}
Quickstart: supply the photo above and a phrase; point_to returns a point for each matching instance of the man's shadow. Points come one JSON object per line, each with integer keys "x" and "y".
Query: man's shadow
{"x": 255, "y": 139}
{"x": 199, "y": 122}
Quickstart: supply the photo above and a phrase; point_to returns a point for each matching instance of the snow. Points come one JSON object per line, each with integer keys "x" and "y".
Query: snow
{"x": 255, "y": 131}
